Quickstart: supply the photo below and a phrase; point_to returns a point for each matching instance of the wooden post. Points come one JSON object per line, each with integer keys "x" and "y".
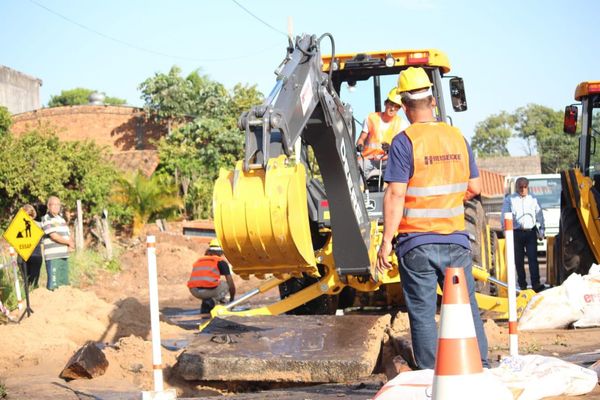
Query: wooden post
{"x": 106, "y": 235}
{"x": 79, "y": 228}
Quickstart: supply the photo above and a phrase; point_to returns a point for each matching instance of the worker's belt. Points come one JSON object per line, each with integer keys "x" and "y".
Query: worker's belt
{"x": 524, "y": 230}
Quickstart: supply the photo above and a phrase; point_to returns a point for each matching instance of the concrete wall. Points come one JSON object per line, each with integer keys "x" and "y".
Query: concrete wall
{"x": 18, "y": 92}
{"x": 121, "y": 128}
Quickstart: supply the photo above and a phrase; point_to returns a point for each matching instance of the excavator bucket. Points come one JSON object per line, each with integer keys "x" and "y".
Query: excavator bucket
{"x": 261, "y": 219}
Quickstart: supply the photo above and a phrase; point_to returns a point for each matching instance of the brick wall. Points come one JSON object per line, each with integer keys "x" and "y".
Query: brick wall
{"x": 121, "y": 128}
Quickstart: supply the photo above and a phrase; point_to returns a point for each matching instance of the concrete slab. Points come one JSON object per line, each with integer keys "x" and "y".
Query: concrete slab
{"x": 285, "y": 348}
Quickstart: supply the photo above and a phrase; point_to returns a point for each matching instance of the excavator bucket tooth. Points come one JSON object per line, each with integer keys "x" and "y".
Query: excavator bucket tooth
{"x": 261, "y": 219}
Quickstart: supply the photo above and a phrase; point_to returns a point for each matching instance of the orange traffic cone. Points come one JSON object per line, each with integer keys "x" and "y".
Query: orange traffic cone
{"x": 458, "y": 369}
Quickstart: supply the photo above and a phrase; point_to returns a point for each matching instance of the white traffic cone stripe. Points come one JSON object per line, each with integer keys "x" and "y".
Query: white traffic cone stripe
{"x": 457, "y": 321}
{"x": 455, "y": 387}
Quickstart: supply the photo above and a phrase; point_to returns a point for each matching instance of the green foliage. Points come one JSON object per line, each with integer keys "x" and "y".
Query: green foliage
{"x": 79, "y": 96}
{"x": 540, "y": 127}
{"x": 5, "y": 121}
{"x": 7, "y": 287}
{"x": 154, "y": 197}
{"x": 207, "y": 137}
{"x": 3, "y": 391}
{"x": 85, "y": 264}
{"x": 492, "y": 135}
{"x": 37, "y": 165}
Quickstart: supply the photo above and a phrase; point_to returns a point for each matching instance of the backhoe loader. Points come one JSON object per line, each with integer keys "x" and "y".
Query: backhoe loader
{"x": 577, "y": 245}
{"x": 296, "y": 209}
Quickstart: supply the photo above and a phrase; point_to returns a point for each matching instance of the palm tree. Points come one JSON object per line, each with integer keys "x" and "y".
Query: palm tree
{"x": 149, "y": 197}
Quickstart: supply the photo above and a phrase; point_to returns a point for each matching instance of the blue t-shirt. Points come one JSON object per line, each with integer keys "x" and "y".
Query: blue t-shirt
{"x": 400, "y": 167}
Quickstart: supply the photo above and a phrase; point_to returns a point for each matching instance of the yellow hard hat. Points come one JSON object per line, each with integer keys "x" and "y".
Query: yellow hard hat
{"x": 413, "y": 78}
{"x": 215, "y": 245}
{"x": 394, "y": 96}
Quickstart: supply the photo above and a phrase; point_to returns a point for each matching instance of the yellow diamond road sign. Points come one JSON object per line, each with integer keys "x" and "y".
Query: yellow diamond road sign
{"x": 23, "y": 234}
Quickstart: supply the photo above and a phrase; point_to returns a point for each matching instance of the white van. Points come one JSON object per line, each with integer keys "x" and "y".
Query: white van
{"x": 546, "y": 188}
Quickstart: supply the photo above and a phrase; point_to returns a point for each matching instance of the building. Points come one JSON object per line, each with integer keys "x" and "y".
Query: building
{"x": 511, "y": 166}
{"x": 19, "y": 92}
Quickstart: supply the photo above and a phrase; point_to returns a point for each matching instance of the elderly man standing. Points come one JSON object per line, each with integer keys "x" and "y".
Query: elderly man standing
{"x": 431, "y": 170}
{"x": 57, "y": 243}
{"x": 528, "y": 228}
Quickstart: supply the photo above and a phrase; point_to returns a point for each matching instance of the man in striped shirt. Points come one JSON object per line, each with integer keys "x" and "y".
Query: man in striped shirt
{"x": 57, "y": 243}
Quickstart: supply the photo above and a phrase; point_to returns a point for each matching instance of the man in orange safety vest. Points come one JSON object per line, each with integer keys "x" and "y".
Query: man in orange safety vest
{"x": 379, "y": 128}
{"x": 205, "y": 280}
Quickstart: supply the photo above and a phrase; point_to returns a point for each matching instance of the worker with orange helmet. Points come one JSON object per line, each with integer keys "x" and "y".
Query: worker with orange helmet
{"x": 431, "y": 170}
{"x": 379, "y": 128}
{"x": 205, "y": 280}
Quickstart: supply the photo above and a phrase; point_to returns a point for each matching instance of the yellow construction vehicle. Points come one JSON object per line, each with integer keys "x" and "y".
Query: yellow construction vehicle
{"x": 296, "y": 209}
{"x": 577, "y": 245}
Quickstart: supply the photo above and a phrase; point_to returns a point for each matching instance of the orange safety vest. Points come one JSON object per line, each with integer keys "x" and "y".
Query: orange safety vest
{"x": 435, "y": 192}
{"x": 377, "y": 135}
{"x": 205, "y": 273}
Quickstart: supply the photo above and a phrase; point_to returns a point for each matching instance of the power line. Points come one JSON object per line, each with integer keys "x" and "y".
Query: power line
{"x": 259, "y": 19}
{"x": 140, "y": 48}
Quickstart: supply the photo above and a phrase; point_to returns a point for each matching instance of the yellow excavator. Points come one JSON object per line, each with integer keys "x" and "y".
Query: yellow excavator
{"x": 577, "y": 245}
{"x": 297, "y": 210}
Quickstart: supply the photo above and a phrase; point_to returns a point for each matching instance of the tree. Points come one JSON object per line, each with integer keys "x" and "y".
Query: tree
{"x": 79, "y": 96}
{"x": 5, "y": 121}
{"x": 153, "y": 197}
{"x": 206, "y": 136}
{"x": 492, "y": 135}
{"x": 542, "y": 129}
{"x": 36, "y": 165}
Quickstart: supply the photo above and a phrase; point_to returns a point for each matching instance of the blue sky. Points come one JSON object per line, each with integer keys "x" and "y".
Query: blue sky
{"x": 510, "y": 53}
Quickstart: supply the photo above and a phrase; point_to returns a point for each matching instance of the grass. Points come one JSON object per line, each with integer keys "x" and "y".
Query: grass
{"x": 85, "y": 264}
{"x": 3, "y": 392}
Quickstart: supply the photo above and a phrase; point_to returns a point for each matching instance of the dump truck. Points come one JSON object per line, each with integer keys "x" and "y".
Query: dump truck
{"x": 577, "y": 245}
{"x": 296, "y": 210}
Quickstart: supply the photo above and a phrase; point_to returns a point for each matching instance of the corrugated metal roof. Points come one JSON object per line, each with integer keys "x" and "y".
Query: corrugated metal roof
{"x": 492, "y": 183}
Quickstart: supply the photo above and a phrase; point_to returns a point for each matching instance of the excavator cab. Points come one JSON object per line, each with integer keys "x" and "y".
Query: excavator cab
{"x": 364, "y": 79}
{"x": 577, "y": 245}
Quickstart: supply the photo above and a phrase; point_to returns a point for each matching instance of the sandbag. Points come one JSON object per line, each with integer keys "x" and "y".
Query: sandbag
{"x": 576, "y": 301}
{"x": 540, "y": 376}
{"x": 417, "y": 385}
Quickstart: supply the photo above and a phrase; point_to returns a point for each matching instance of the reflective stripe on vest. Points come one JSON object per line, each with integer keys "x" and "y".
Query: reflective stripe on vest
{"x": 435, "y": 192}
{"x": 205, "y": 273}
{"x": 376, "y": 135}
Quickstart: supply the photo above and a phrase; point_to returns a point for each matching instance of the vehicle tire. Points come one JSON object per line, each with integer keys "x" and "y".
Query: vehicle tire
{"x": 322, "y": 305}
{"x": 475, "y": 227}
{"x": 576, "y": 255}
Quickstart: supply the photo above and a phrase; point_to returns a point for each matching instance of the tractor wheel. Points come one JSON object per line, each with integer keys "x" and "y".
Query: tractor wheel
{"x": 574, "y": 248}
{"x": 322, "y": 305}
{"x": 474, "y": 225}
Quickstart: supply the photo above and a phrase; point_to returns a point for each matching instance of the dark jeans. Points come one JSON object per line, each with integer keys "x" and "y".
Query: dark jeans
{"x": 421, "y": 269}
{"x": 32, "y": 268}
{"x": 526, "y": 243}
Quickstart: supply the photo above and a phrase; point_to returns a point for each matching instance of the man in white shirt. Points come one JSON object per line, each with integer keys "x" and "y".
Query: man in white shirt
{"x": 528, "y": 225}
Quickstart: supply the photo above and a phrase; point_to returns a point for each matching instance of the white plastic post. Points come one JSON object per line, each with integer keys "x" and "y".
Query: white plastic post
{"x": 513, "y": 344}
{"x": 159, "y": 392}
{"x": 13, "y": 261}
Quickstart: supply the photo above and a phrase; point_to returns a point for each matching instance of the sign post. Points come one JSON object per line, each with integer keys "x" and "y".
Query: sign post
{"x": 23, "y": 234}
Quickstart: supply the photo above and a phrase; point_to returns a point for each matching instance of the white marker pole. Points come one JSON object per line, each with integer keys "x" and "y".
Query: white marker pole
{"x": 159, "y": 392}
{"x": 512, "y": 287}
{"x": 13, "y": 261}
